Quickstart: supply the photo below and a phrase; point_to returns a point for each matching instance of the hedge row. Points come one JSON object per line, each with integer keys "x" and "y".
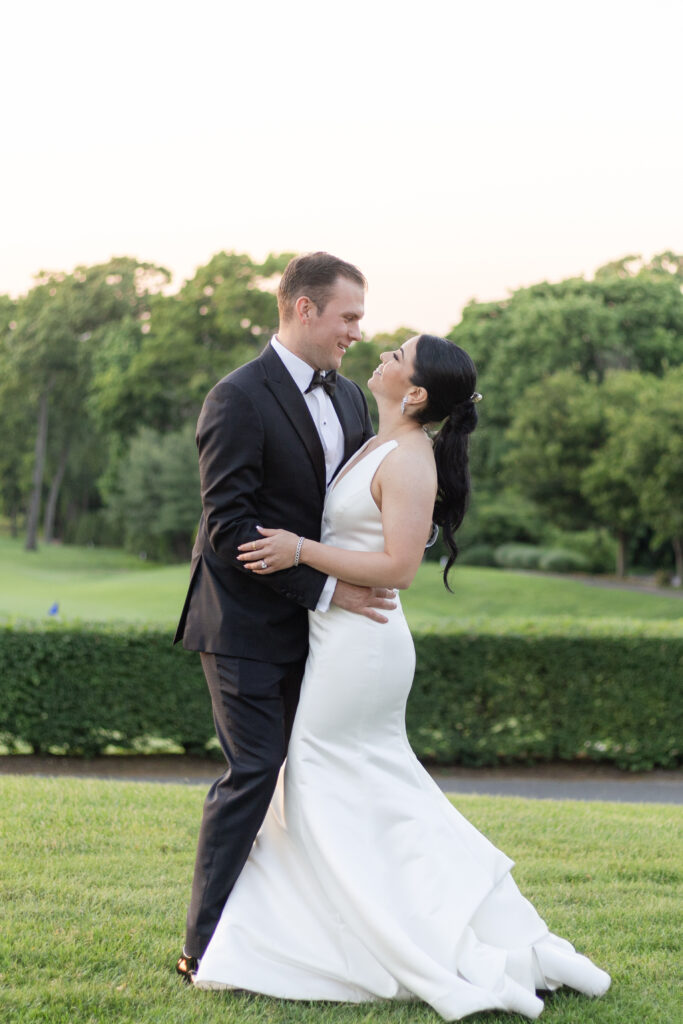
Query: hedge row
{"x": 490, "y": 691}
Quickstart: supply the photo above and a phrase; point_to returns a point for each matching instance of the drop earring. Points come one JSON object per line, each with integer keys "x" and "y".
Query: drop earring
{"x": 403, "y": 406}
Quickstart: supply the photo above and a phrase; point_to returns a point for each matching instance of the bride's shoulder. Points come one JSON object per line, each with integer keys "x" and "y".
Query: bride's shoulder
{"x": 411, "y": 461}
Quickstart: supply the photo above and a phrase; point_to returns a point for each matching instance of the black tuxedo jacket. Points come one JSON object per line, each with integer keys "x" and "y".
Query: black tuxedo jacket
{"x": 260, "y": 463}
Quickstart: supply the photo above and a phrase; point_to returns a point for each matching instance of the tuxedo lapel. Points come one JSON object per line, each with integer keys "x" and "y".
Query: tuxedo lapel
{"x": 346, "y": 413}
{"x": 279, "y": 382}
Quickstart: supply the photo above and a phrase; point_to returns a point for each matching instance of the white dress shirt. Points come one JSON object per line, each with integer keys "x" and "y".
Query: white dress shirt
{"x": 329, "y": 429}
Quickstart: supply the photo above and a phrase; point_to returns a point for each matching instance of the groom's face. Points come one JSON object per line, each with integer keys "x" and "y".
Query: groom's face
{"x": 331, "y": 332}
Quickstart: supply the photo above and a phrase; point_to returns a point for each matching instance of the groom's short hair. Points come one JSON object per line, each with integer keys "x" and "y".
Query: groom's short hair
{"x": 313, "y": 275}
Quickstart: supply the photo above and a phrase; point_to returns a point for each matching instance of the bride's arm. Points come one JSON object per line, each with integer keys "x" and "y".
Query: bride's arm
{"x": 405, "y": 486}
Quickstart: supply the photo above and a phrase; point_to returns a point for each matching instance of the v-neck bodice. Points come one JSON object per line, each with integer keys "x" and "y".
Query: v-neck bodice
{"x": 351, "y": 518}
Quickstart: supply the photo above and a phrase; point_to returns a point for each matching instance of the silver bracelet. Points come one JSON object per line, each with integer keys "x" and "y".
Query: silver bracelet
{"x": 299, "y": 546}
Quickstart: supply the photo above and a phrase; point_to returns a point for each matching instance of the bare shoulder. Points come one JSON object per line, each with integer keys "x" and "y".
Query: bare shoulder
{"x": 410, "y": 464}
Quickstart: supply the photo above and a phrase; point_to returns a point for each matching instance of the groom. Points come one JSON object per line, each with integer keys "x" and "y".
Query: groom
{"x": 271, "y": 435}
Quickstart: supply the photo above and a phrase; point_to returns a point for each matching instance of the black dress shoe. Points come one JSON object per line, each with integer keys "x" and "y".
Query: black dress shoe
{"x": 187, "y": 967}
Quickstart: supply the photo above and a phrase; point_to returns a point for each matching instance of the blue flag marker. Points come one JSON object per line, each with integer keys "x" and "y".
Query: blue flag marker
{"x": 54, "y": 610}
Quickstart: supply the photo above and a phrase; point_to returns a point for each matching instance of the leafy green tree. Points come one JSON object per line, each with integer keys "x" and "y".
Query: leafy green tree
{"x": 608, "y": 482}
{"x": 50, "y": 351}
{"x": 498, "y": 519}
{"x": 42, "y": 352}
{"x": 649, "y": 309}
{"x": 15, "y": 422}
{"x": 157, "y": 372}
{"x": 629, "y": 317}
{"x": 651, "y": 451}
{"x": 557, "y": 427}
{"x": 155, "y": 500}
{"x": 598, "y": 455}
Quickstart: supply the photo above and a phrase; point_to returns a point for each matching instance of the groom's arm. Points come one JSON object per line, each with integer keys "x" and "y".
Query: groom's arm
{"x": 230, "y": 441}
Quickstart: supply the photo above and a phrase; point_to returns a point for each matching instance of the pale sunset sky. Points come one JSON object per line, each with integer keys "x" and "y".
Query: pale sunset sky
{"x": 450, "y": 149}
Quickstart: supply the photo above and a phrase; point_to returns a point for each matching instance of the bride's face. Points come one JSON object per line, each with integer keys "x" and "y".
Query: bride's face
{"x": 392, "y": 378}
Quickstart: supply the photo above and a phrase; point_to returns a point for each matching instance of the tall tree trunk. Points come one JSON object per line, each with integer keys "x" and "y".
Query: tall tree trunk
{"x": 678, "y": 554}
{"x": 50, "y": 507}
{"x": 38, "y": 471}
{"x": 621, "y": 553}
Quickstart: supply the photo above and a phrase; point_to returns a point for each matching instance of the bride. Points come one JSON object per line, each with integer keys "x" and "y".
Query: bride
{"x": 365, "y": 882}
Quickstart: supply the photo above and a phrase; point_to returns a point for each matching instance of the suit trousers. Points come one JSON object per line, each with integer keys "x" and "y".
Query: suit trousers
{"x": 254, "y": 704}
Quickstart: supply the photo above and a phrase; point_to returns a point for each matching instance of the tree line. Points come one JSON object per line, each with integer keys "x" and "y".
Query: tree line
{"x": 103, "y": 372}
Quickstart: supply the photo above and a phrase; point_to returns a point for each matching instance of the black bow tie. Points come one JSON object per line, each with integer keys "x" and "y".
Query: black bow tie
{"x": 327, "y": 382}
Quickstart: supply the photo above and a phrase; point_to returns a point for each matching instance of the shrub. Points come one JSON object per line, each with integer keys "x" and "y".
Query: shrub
{"x": 560, "y": 560}
{"x": 478, "y": 554}
{"x": 518, "y": 556}
{"x": 490, "y": 522}
{"x": 596, "y": 546}
{"x": 500, "y": 520}
{"x": 489, "y": 691}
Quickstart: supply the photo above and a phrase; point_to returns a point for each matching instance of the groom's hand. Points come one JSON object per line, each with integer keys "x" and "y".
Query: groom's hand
{"x": 364, "y": 600}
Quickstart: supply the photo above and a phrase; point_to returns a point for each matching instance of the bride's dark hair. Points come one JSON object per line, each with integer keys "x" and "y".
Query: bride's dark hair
{"x": 449, "y": 376}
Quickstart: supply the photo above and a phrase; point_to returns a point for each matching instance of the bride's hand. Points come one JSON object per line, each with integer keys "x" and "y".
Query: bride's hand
{"x": 275, "y": 551}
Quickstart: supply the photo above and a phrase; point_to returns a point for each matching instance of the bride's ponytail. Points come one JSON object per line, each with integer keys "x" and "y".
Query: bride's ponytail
{"x": 449, "y": 376}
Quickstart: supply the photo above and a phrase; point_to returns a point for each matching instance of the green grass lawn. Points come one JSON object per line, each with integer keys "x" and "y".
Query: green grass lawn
{"x": 103, "y": 585}
{"x": 95, "y": 876}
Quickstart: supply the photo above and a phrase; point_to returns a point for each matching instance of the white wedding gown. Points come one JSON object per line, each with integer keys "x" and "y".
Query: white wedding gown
{"x": 365, "y": 883}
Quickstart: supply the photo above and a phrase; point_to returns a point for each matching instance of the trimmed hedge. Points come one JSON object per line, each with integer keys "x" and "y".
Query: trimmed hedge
{"x": 489, "y": 691}
{"x": 499, "y": 691}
